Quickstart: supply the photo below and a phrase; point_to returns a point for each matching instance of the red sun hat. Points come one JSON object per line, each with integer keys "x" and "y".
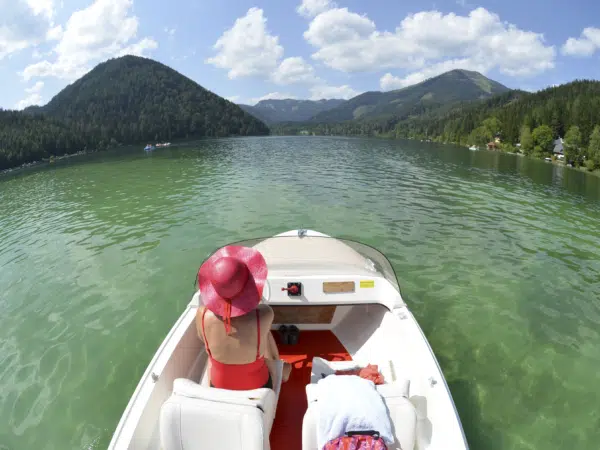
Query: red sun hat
{"x": 231, "y": 281}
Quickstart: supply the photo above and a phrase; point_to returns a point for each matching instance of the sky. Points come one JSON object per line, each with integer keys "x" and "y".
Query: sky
{"x": 248, "y": 50}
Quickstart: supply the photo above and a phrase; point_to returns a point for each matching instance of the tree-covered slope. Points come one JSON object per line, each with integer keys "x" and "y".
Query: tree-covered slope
{"x": 127, "y": 100}
{"x": 135, "y": 99}
{"x": 437, "y": 92}
{"x": 31, "y": 137}
{"x": 560, "y": 107}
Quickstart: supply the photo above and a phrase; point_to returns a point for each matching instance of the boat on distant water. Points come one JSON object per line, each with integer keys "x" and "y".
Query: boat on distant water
{"x": 149, "y": 147}
{"x": 473, "y": 147}
{"x": 343, "y": 299}
{"x": 164, "y": 144}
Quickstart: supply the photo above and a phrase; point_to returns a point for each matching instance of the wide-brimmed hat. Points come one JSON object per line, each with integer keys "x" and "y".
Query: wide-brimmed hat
{"x": 231, "y": 281}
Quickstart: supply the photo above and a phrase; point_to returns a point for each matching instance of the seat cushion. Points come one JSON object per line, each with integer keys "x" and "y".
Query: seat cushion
{"x": 193, "y": 424}
{"x": 197, "y": 416}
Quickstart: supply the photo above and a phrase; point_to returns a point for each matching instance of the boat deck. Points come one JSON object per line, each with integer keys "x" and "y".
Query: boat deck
{"x": 287, "y": 428}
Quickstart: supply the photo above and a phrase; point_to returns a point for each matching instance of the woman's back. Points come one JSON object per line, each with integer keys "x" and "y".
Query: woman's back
{"x": 241, "y": 345}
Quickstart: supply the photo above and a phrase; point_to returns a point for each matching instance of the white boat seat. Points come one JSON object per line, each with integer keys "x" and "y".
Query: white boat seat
{"x": 402, "y": 412}
{"x": 197, "y": 417}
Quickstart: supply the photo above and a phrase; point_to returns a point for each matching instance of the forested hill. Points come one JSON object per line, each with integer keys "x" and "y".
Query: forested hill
{"x": 441, "y": 91}
{"x": 137, "y": 99}
{"x": 123, "y": 100}
{"x": 560, "y": 107}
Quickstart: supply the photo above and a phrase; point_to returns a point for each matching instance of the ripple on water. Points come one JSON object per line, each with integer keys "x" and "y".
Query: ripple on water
{"x": 496, "y": 256}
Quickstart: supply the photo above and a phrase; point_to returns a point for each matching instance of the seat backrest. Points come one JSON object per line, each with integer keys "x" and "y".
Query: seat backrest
{"x": 197, "y": 417}
{"x": 402, "y": 414}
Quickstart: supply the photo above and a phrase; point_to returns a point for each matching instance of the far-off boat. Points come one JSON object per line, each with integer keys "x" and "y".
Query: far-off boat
{"x": 350, "y": 313}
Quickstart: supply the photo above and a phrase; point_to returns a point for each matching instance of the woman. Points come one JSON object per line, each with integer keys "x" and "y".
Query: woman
{"x": 236, "y": 330}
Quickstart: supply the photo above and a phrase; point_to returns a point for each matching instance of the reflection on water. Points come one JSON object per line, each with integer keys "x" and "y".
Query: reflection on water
{"x": 497, "y": 255}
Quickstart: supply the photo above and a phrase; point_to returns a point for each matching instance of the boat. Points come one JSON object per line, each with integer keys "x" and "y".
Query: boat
{"x": 349, "y": 312}
{"x": 163, "y": 144}
{"x": 473, "y": 147}
{"x": 149, "y": 147}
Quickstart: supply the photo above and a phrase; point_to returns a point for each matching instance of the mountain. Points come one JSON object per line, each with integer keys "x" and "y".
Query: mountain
{"x": 126, "y": 100}
{"x": 135, "y": 99}
{"x": 438, "y": 92}
{"x": 560, "y": 107}
{"x": 535, "y": 120}
{"x": 289, "y": 110}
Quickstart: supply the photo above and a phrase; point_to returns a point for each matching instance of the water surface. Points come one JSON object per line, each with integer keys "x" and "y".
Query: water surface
{"x": 498, "y": 256}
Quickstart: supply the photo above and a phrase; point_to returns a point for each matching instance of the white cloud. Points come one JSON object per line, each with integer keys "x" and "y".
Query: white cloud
{"x": 37, "y": 87}
{"x": 247, "y": 48}
{"x": 326, "y": 91}
{"x": 33, "y": 97}
{"x": 586, "y": 45}
{"x": 139, "y": 48}
{"x": 23, "y": 24}
{"x": 272, "y": 96}
{"x": 350, "y": 42}
{"x": 42, "y": 7}
{"x": 234, "y": 98}
{"x": 55, "y": 33}
{"x": 294, "y": 70}
{"x": 104, "y": 29}
{"x": 170, "y": 31}
{"x": 311, "y": 8}
{"x": 389, "y": 82}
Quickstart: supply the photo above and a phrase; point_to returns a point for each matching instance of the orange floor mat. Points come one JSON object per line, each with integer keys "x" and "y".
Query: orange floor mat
{"x": 286, "y": 433}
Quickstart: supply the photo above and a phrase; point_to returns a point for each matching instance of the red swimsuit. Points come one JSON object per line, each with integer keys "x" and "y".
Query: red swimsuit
{"x": 238, "y": 377}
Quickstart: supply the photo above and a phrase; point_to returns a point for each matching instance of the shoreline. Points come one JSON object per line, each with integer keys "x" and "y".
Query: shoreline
{"x": 556, "y": 162}
{"x": 50, "y": 160}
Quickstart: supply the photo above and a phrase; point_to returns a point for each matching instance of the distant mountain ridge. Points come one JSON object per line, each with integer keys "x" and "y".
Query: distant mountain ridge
{"x": 289, "y": 110}
{"x": 443, "y": 90}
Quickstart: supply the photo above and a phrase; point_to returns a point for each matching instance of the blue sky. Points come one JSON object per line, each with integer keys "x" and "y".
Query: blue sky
{"x": 246, "y": 50}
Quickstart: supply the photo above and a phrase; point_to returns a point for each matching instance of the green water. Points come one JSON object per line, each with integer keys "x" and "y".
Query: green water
{"x": 498, "y": 257}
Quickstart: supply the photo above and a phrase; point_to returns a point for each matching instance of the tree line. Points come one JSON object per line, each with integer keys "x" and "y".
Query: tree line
{"x": 127, "y": 100}
{"x": 570, "y": 111}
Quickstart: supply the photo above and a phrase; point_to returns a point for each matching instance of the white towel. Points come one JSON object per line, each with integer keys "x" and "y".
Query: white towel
{"x": 350, "y": 403}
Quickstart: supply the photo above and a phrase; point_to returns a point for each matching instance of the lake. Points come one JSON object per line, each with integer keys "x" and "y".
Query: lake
{"x": 498, "y": 257}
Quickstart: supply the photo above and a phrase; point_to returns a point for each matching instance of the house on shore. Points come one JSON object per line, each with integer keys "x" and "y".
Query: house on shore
{"x": 559, "y": 149}
{"x": 495, "y": 144}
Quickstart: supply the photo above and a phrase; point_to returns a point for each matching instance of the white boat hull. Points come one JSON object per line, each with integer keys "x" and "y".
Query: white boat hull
{"x": 373, "y": 324}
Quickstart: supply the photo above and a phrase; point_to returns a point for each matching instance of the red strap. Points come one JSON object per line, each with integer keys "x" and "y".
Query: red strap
{"x": 204, "y": 334}
{"x": 258, "y": 331}
{"x": 227, "y": 318}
